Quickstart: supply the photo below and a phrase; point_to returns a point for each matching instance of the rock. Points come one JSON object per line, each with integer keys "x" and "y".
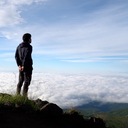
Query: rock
{"x": 40, "y": 103}
{"x": 96, "y": 122}
{"x": 74, "y": 119}
{"x": 51, "y": 109}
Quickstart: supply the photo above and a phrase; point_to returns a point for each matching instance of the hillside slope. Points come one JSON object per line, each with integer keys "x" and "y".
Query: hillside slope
{"x": 114, "y": 114}
{"x": 20, "y": 112}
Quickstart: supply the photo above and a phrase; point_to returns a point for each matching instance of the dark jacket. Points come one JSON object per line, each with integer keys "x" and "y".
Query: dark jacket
{"x": 23, "y": 56}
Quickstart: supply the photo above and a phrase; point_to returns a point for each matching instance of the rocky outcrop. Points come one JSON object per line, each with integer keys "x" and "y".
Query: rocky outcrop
{"x": 46, "y": 115}
{"x": 40, "y": 103}
{"x": 51, "y": 109}
{"x": 48, "y": 109}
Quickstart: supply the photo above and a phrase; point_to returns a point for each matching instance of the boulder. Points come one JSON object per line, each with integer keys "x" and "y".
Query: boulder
{"x": 40, "y": 103}
{"x": 96, "y": 123}
{"x": 51, "y": 109}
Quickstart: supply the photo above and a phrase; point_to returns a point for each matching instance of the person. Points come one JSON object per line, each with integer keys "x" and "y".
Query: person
{"x": 23, "y": 56}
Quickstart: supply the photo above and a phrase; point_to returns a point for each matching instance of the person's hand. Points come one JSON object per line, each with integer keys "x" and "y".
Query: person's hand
{"x": 21, "y": 68}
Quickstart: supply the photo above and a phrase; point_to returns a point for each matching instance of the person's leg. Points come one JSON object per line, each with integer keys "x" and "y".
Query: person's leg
{"x": 27, "y": 80}
{"x": 20, "y": 83}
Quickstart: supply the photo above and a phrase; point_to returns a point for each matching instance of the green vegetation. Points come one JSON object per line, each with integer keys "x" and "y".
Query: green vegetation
{"x": 73, "y": 111}
{"x": 113, "y": 119}
{"x": 117, "y": 122}
{"x": 16, "y": 101}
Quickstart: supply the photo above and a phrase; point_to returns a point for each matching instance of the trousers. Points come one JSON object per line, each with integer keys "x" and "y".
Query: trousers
{"x": 24, "y": 80}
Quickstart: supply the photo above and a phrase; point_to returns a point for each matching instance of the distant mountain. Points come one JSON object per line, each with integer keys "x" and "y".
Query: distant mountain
{"x": 103, "y": 107}
{"x": 114, "y": 114}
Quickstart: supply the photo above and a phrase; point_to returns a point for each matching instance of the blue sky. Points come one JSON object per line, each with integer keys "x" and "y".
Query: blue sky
{"x": 70, "y": 36}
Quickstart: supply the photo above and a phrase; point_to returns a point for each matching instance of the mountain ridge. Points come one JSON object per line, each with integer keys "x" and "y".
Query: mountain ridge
{"x": 103, "y": 106}
{"x": 18, "y": 111}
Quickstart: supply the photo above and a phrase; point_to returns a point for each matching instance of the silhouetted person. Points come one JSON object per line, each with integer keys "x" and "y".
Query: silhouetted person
{"x": 24, "y": 62}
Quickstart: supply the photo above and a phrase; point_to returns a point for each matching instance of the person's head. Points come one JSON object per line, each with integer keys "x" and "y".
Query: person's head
{"x": 27, "y": 38}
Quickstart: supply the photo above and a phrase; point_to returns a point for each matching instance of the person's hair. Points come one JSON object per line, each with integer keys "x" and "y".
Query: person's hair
{"x": 26, "y": 37}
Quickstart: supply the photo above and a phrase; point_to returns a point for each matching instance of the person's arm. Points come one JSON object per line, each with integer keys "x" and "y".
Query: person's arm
{"x": 17, "y": 58}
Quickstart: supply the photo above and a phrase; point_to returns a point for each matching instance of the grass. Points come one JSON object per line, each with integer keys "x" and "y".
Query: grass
{"x": 17, "y": 100}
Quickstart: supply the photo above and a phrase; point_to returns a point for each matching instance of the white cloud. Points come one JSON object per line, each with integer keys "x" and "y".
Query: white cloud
{"x": 10, "y": 11}
{"x": 70, "y": 90}
{"x": 23, "y": 2}
{"x": 9, "y": 15}
{"x": 100, "y": 33}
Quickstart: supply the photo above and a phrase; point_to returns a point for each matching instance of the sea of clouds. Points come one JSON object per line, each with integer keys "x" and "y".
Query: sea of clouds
{"x": 70, "y": 90}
